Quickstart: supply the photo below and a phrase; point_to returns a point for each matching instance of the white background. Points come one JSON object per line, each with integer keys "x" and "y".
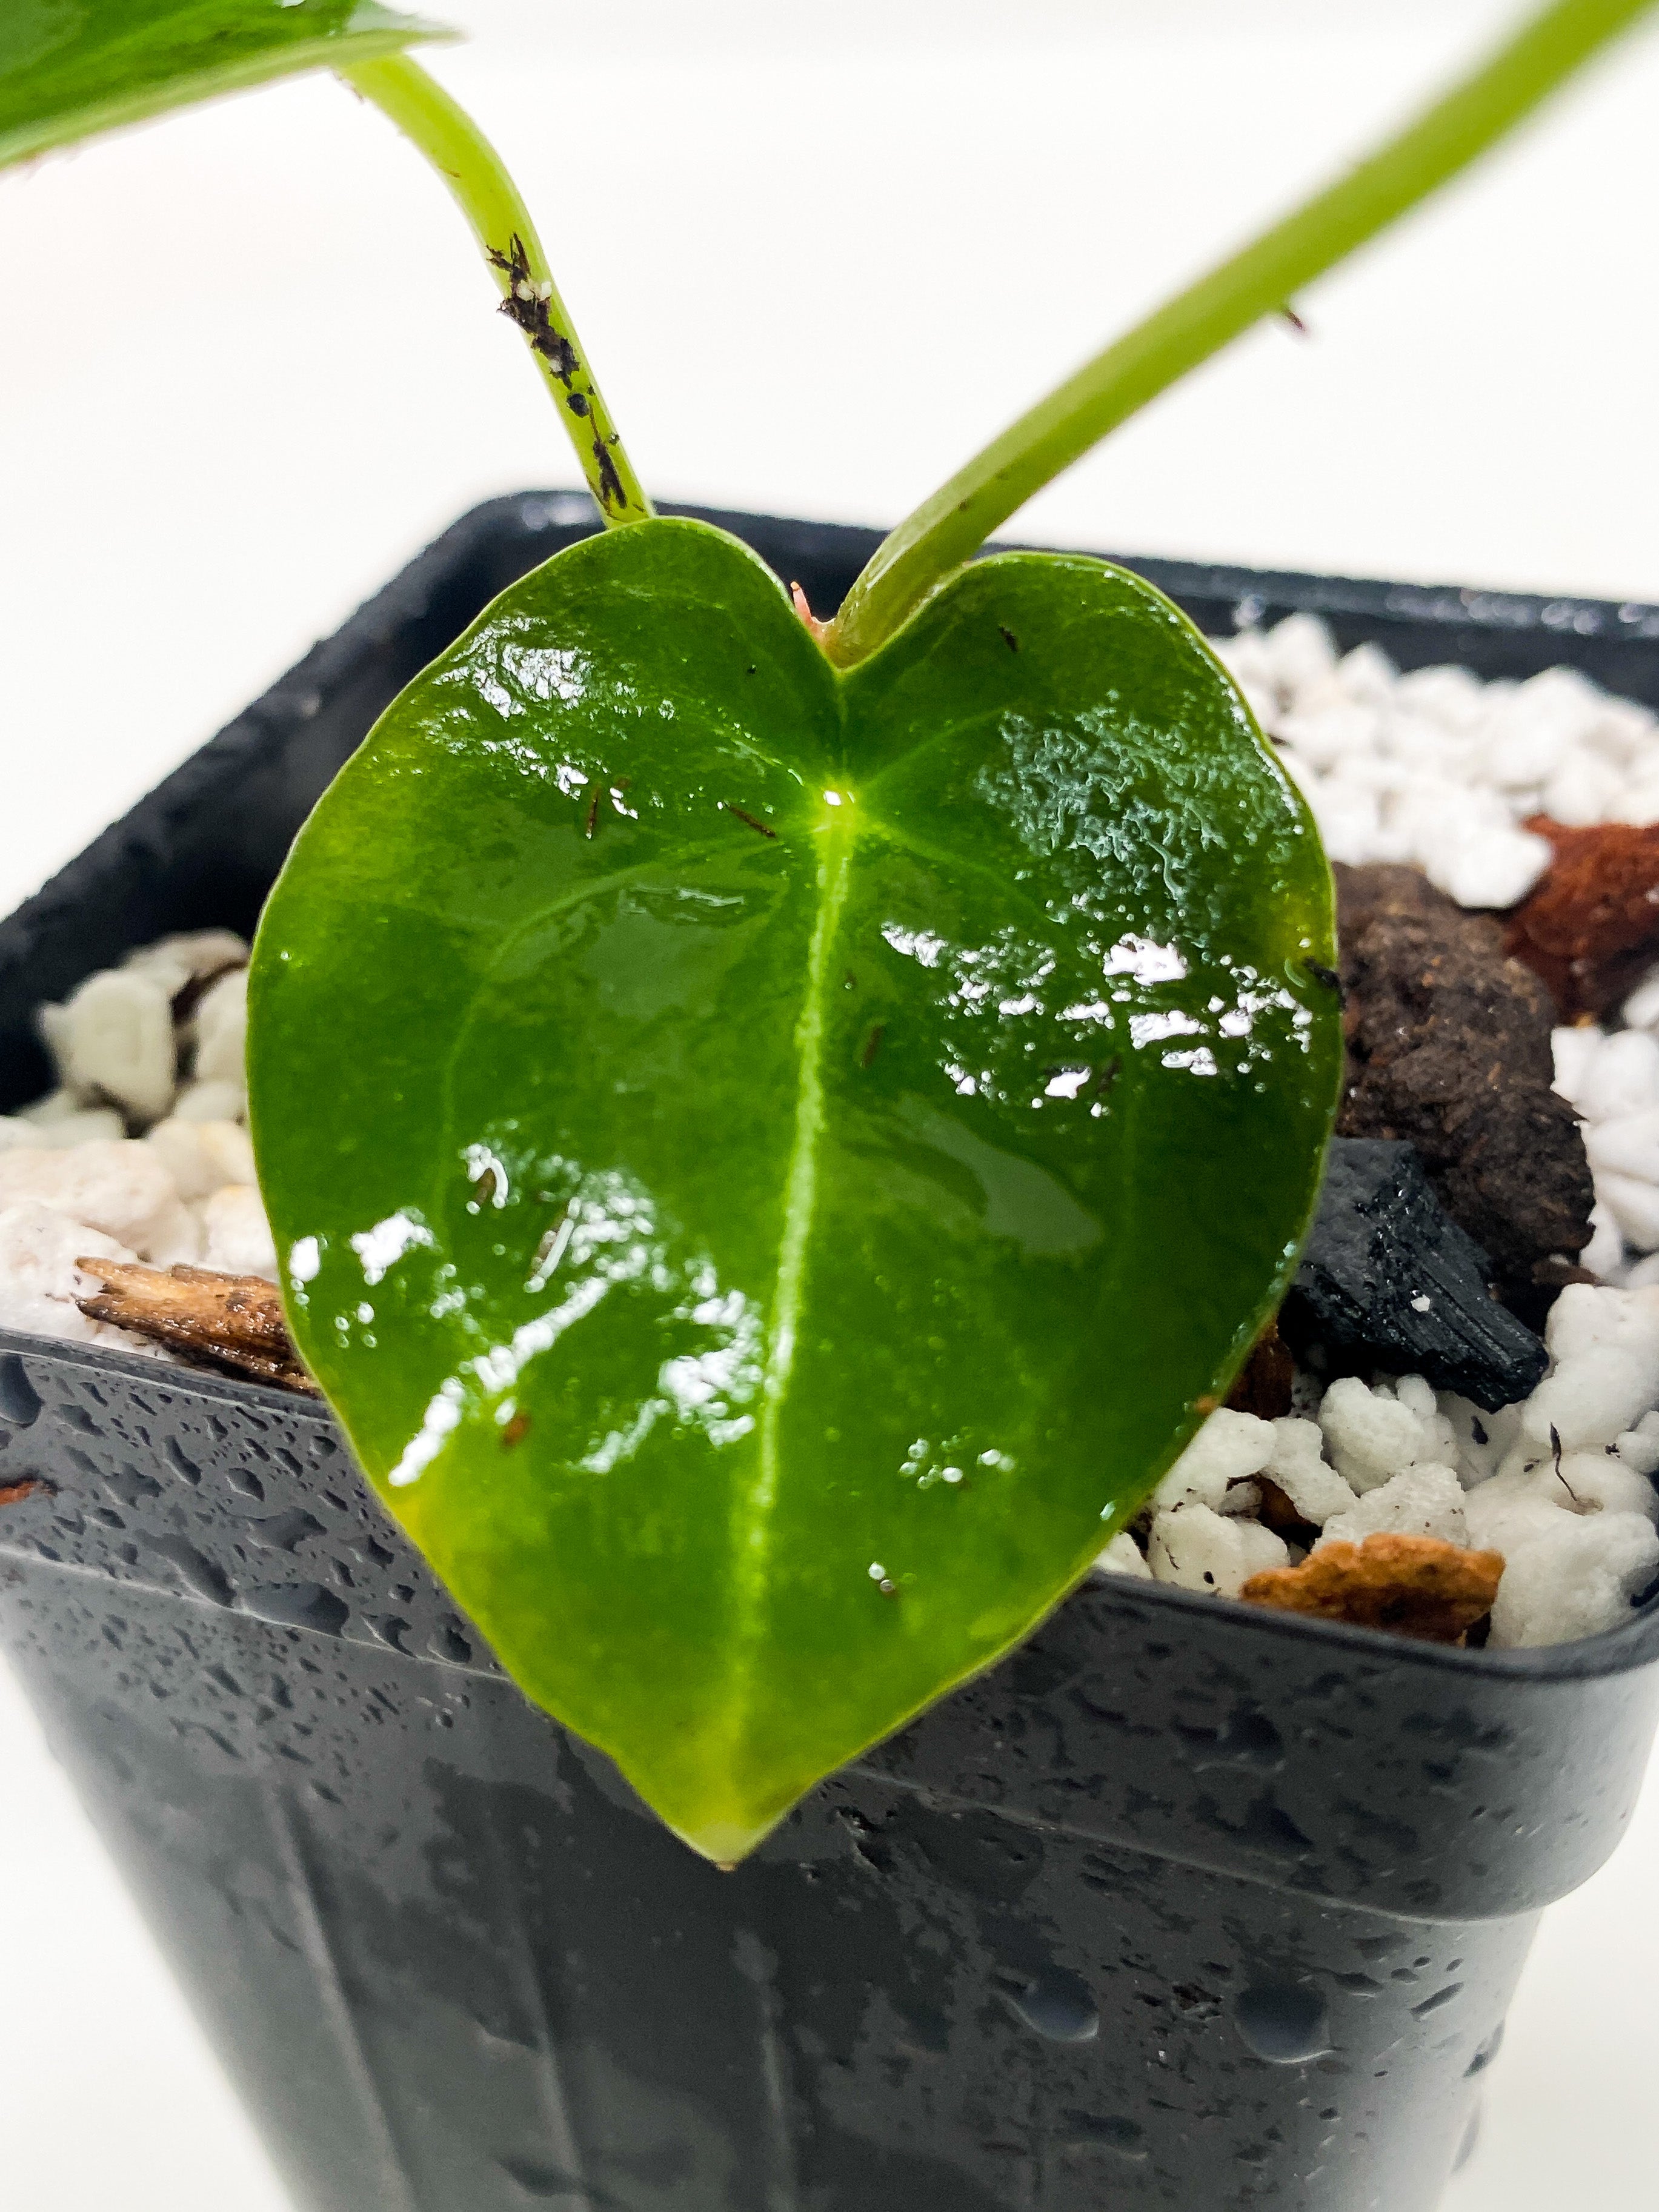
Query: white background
{"x": 248, "y": 365}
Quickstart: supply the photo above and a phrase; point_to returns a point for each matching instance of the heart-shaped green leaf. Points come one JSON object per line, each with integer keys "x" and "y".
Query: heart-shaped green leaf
{"x": 770, "y": 1165}
{"x": 69, "y": 68}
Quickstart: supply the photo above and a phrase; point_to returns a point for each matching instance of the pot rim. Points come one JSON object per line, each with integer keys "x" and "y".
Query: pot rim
{"x": 1612, "y": 1651}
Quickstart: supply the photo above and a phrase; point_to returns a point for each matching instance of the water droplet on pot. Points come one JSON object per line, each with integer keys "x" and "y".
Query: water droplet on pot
{"x": 1471, "y": 2137}
{"x": 1124, "y": 2137}
{"x": 537, "y": 2180}
{"x": 196, "y": 1569}
{"x": 299, "y": 1605}
{"x": 20, "y": 1402}
{"x": 1282, "y": 2021}
{"x": 182, "y": 1466}
{"x": 1058, "y": 2005}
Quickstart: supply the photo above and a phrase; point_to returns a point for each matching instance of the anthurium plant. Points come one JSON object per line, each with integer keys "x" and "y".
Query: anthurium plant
{"x": 779, "y": 1128}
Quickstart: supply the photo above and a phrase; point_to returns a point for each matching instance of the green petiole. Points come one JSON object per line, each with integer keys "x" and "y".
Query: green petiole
{"x": 491, "y": 203}
{"x": 947, "y": 529}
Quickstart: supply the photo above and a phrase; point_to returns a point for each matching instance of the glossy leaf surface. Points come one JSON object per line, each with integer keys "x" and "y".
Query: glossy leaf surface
{"x": 770, "y": 1163}
{"x": 70, "y": 68}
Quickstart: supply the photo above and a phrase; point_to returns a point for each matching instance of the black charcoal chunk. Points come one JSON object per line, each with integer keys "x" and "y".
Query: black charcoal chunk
{"x": 1389, "y": 1280}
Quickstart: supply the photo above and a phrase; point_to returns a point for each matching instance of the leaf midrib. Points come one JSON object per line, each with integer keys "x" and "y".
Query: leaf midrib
{"x": 754, "y": 1502}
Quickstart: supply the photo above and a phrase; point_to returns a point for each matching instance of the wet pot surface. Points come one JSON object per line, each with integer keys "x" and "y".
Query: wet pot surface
{"x": 1184, "y": 1905}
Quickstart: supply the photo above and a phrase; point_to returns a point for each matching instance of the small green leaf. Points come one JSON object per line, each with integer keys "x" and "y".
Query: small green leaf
{"x": 770, "y": 1164}
{"x": 70, "y": 68}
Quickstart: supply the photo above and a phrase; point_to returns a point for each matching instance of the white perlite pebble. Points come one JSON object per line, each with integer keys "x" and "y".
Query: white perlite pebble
{"x": 1574, "y": 1576}
{"x": 238, "y": 1236}
{"x": 220, "y": 1030}
{"x": 202, "y": 1157}
{"x": 1122, "y": 1556}
{"x": 1627, "y": 1144}
{"x": 1297, "y": 1466}
{"x": 1243, "y": 1498}
{"x": 1620, "y": 1073}
{"x": 1519, "y": 1501}
{"x": 39, "y": 1280}
{"x": 1424, "y": 1501}
{"x": 211, "y": 1102}
{"x": 1376, "y": 1432}
{"x": 1435, "y": 767}
{"x": 1605, "y": 1252}
{"x": 1574, "y": 1050}
{"x": 56, "y": 1106}
{"x": 1480, "y": 1439}
{"x": 77, "y": 1128}
{"x": 121, "y": 1188}
{"x": 1641, "y": 1009}
{"x": 1605, "y": 1348}
{"x": 112, "y": 1038}
{"x": 1441, "y": 768}
{"x": 1228, "y": 1447}
{"x": 1634, "y": 1206}
{"x": 178, "y": 962}
{"x": 1481, "y": 863}
{"x": 1639, "y": 1447}
{"x": 1612, "y": 1078}
{"x": 1201, "y": 1550}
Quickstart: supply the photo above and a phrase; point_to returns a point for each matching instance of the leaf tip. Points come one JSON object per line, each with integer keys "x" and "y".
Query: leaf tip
{"x": 725, "y": 1842}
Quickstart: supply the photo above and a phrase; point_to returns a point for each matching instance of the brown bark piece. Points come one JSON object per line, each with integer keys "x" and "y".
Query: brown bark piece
{"x": 1448, "y": 1047}
{"x": 1279, "y": 1513}
{"x": 1417, "y": 1586}
{"x": 233, "y": 1322}
{"x": 1264, "y": 1383}
{"x": 1591, "y": 927}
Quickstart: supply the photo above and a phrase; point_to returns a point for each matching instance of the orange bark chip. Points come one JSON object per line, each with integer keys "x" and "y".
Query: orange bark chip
{"x": 1417, "y": 1586}
{"x": 1591, "y": 927}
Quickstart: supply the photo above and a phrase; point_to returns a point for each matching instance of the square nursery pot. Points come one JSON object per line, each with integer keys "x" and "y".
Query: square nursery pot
{"x": 1186, "y": 1903}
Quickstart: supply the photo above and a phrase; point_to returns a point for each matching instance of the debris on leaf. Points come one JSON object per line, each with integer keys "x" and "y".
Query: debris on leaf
{"x": 1418, "y": 1586}
{"x": 1448, "y": 1046}
{"x": 1591, "y": 927}
{"x": 233, "y": 1322}
{"x": 1388, "y": 1280}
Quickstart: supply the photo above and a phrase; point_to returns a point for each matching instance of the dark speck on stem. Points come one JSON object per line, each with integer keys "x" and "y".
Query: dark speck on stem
{"x": 577, "y": 403}
{"x": 611, "y": 484}
{"x": 1008, "y": 637}
{"x": 1326, "y": 977}
{"x": 592, "y": 822}
{"x": 873, "y": 1044}
{"x": 765, "y": 828}
{"x": 525, "y": 305}
{"x": 516, "y": 1430}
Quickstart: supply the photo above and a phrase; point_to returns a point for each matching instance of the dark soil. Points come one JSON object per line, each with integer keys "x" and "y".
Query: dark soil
{"x": 1449, "y": 1049}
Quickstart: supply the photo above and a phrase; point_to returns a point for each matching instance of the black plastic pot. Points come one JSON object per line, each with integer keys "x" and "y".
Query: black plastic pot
{"x": 1185, "y": 1905}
